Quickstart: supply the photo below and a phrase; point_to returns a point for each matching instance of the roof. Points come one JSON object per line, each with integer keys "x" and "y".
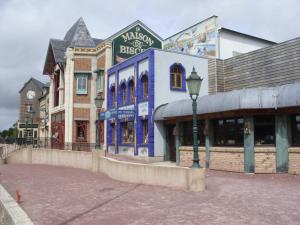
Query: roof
{"x": 77, "y": 36}
{"x": 253, "y": 98}
{"x": 245, "y": 35}
{"x": 38, "y": 83}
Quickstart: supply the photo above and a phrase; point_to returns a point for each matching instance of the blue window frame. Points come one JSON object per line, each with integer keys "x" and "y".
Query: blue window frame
{"x": 81, "y": 84}
{"x": 177, "y": 77}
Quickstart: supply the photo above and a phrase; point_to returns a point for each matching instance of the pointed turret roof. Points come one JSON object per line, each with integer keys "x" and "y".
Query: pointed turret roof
{"x": 79, "y": 36}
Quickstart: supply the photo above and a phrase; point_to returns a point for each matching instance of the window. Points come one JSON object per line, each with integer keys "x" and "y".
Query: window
{"x": 296, "y": 130}
{"x": 28, "y": 108}
{"x": 113, "y": 96}
{"x": 177, "y": 73}
{"x": 229, "y": 132}
{"x": 81, "y": 84}
{"x": 100, "y": 82}
{"x": 188, "y": 133}
{"x": 81, "y": 131}
{"x": 145, "y": 131}
{"x": 131, "y": 91}
{"x": 127, "y": 132}
{"x": 264, "y": 130}
{"x": 123, "y": 93}
{"x": 145, "y": 86}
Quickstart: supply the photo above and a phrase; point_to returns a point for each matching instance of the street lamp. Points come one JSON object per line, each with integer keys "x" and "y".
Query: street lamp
{"x": 98, "y": 102}
{"x": 194, "y": 84}
{"x": 32, "y": 115}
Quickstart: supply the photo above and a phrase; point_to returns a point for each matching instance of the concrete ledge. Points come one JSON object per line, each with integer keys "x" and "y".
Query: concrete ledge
{"x": 169, "y": 176}
{"x": 264, "y": 149}
{"x": 190, "y": 148}
{"x": 10, "y": 212}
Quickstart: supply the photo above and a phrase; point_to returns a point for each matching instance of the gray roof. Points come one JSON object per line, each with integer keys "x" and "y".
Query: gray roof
{"x": 59, "y": 48}
{"x": 253, "y": 98}
{"x": 38, "y": 83}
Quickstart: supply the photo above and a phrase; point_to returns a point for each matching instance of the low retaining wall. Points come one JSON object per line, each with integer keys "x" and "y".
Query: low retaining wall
{"x": 169, "y": 176}
{"x": 232, "y": 158}
{"x": 10, "y": 212}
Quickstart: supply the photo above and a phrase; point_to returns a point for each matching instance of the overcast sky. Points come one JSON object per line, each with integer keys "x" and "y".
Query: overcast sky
{"x": 27, "y": 25}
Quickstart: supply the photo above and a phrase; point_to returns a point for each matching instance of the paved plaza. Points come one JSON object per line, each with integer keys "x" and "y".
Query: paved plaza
{"x": 60, "y": 195}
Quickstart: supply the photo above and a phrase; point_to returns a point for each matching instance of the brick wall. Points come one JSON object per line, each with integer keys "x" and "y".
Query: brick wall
{"x": 227, "y": 158}
{"x": 82, "y": 64}
{"x": 294, "y": 160}
{"x": 186, "y": 156}
{"x": 83, "y": 98}
{"x": 265, "y": 160}
{"x": 101, "y": 62}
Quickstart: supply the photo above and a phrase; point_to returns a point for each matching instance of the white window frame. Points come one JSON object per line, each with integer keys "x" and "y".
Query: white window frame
{"x": 80, "y": 91}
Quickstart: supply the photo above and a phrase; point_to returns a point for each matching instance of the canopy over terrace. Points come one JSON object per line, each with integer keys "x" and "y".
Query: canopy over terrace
{"x": 274, "y": 98}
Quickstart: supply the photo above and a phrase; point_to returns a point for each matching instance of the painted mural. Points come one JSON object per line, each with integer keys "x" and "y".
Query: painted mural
{"x": 199, "y": 40}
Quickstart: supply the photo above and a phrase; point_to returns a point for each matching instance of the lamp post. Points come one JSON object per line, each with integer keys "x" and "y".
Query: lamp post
{"x": 194, "y": 83}
{"x": 32, "y": 113}
{"x": 98, "y": 102}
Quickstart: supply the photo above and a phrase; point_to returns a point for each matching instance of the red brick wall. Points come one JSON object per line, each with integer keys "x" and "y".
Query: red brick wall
{"x": 83, "y": 64}
{"x": 81, "y": 113}
{"x": 83, "y": 98}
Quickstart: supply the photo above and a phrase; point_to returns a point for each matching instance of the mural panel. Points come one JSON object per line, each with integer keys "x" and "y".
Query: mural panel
{"x": 200, "y": 39}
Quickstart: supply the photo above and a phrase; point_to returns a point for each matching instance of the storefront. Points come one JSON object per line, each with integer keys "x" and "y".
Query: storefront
{"x": 135, "y": 88}
{"x": 247, "y": 130}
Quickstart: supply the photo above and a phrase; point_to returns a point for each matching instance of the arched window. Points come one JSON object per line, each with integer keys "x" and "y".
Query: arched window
{"x": 131, "y": 91}
{"x": 145, "y": 86}
{"x": 113, "y": 96}
{"x": 123, "y": 93}
{"x": 177, "y": 77}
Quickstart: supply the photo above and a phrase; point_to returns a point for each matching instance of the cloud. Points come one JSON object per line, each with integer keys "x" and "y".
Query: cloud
{"x": 27, "y": 25}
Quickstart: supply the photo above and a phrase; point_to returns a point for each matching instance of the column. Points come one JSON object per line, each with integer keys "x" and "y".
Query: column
{"x": 249, "y": 145}
{"x": 209, "y": 140}
{"x": 177, "y": 143}
{"x": 283, "y": 134}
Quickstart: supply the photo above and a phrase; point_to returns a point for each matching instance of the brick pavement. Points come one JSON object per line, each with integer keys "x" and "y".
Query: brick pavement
{"x": 60, "y": 195}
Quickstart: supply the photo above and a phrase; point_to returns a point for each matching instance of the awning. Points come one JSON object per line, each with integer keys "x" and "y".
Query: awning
{"x": 253, "y": 98}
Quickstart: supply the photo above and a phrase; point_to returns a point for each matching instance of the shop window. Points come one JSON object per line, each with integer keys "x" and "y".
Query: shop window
{"x": 127, "y": 132}
{"x": 296, "y": 130}
{"x": 264, "y": 130}
{"x": 145, "y": 86}
{"x": 188, "y": 133}
{"x": 113, "y": 96}
{"x": 81, "y": 84}
{"x": 145, "y": 131}
{"x": 123, "y": 93}
{"x": 229, "y": 132}
{"x": 81, "y": 131}
{"x": 177, "y": 77}
{"x": 131, "y": 91}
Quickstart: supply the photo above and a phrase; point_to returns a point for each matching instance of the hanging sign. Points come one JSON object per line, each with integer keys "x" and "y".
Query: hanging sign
{"x": 132, "y": 42}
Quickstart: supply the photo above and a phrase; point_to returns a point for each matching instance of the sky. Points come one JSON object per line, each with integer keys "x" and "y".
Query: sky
{"x": 27, "y": 25}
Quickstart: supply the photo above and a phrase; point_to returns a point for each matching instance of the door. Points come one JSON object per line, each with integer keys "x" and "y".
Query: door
{"x": 171, "y": 150}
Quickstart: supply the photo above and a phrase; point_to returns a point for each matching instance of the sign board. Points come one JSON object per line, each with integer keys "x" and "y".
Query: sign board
{"x": 132, "y": 42}
{"x": 114, "y": 113}
{"x": 143, "y": 109}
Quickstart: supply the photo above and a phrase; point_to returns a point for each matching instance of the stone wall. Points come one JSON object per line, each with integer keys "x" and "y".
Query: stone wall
{"x": 265, "y": 159}
{"x": 187, "y": 153}
{"x": 294, "y": 160}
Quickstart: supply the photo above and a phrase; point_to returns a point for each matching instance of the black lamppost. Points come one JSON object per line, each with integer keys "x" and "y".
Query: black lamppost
{"x": 98, "y": 102}
{"x": 32, "y": 115}
{"x": 194, "y": 84}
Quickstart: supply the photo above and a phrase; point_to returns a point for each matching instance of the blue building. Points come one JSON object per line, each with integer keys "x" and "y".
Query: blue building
{"x": 135, "y": 88}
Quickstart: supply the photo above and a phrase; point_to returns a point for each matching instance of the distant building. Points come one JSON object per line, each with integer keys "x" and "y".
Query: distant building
{"x": 29, "y": 111}
{"x": 44, "y": 117}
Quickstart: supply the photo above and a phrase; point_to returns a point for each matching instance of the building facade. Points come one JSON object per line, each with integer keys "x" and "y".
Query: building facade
{"x": 250, "y": 117}
{"x": 29, "y": 111}
{"x": 136, "y": 87}
{"x": 209, "y": 38}
{"x": 77, "y": 66}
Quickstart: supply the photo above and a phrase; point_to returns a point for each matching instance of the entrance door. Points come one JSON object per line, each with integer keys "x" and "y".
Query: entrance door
{"x": 171, "y": 154}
